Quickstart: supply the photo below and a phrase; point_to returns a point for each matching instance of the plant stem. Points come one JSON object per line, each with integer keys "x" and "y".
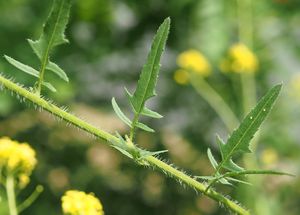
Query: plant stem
{"x": 216, "y": 102}
{"x": 245, "y": 22}
{"x": 38, "y": 190}
{"x": 248, "y": 92}
{"x": 133, "y": 126}
{"x": 11, "y": 197}
{"x": 197, "y": 185}
{"x": 169, "y": 170}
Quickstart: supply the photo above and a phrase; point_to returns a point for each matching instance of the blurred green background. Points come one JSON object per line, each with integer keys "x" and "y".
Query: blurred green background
{"x": 109, "y": 41}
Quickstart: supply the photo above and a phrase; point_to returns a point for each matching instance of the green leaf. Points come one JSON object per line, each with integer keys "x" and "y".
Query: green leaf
{"x": 238, "y": 180}
{"x": 148, "y": 78}
{"x": 53, "y": 31}
{"x": 49, "y": 86}
{"x": 29, "y": 70}
{"x": 211, "y": 158}
{"x": 258, "y": 172}
{"x": 25, "y": 68}
{"x": 240, "y": 139}
{"x": 52, "y": 35}
{"x": 150, "y": 113}
{"x": 119, "y": 113}
{"x": 57, "y": 70}
{"x": 144, "y": 127}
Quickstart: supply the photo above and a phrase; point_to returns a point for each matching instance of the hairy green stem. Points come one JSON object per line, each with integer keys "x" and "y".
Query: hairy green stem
{"x": 171, "y": 171}
{"x": 197, "y": 185}
{"x": 11, "y": 197}
{"x": 216, "y": 102}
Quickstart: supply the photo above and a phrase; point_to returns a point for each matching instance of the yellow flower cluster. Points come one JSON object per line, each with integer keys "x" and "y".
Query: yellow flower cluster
{"x": 191, "y": 61}
{"x": 77, "y": 203}
{"x": 241, "y": 60}
{"x": 17, "y": 159}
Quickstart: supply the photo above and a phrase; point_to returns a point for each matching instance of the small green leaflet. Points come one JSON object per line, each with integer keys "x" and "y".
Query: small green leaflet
{"x": 240, "y": 139}
{"x": 52, "y": 35}
{"x": 29, "y": 70}
{"x": 146, "y": 84}
{"x": 126, "y": 120}
{"x": 25, "y": 68}
{"x": 119, "y": 113}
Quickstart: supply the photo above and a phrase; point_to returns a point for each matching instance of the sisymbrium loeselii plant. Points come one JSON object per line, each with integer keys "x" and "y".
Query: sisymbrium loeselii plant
{"x": 226, "y": 170}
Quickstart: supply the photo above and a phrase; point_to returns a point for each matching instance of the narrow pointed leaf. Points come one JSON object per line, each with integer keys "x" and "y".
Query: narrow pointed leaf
{"x": 57, "y": 70}
{"x": 224, "y": 181}
{"x": 150, "y": 113}
{"x": 148, "y": 78}
{"x": 25, "y": 68}
{"x": 144, "y": 127}
{"x": 240, "y": 139}
{"x": 119, "y": 113}
{"x": 258, "y": 172}
{"x": 238, "y": 180}
{"x": 49, "y": 86}
{"x": 211, "y": 158}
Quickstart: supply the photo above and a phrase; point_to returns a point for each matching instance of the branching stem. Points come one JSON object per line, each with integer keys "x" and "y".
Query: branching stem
{"x": 171, "y": 171}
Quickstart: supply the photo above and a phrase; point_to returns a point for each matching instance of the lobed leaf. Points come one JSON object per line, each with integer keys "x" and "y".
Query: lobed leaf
{"x": 240, "y": 139}
{"x": 148, "y": 78}
{"x": 53, "y": 31}
{"x": 52, "y": 35}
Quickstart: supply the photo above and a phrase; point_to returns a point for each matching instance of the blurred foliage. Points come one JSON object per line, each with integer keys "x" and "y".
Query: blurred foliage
{"x": 109, "y": 41}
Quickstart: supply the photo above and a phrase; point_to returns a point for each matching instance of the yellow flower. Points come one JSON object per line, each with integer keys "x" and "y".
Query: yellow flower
{"x": 193, "y": 60}
{"x": 17, "y": 159}
{"x": 77, "y": 203}
{"x": 242, "y": 59}
{"x": 181, "y": 76}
